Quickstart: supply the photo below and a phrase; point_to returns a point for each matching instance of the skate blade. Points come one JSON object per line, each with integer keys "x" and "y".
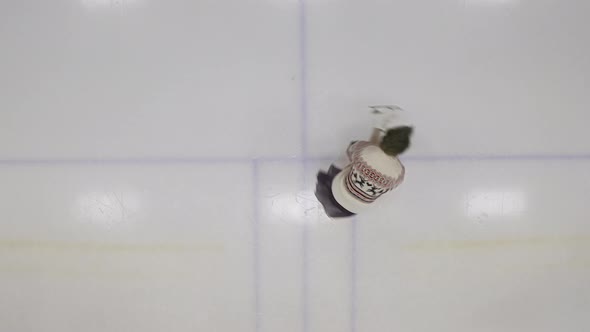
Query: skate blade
{"x": 376, "y": 109}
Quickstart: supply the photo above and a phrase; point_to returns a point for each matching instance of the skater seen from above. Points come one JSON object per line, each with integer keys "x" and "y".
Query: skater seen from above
{"x": 368, "y": 169}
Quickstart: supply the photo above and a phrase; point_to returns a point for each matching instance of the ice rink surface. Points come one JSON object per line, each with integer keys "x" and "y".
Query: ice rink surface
{"x": 157, "y": 164}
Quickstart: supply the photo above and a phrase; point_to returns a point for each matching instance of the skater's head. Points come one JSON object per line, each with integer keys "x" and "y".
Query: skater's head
{"x": 396, "y": 140}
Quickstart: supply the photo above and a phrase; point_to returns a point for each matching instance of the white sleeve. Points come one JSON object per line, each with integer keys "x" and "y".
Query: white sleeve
{"x": 345, "y": 159}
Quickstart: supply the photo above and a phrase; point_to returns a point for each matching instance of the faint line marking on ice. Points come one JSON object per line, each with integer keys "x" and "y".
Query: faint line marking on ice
{"x": 124, "y": 161}
{"x": 256, "y": 268}
{"x": 77, "y": 269}
{"x": 521, "y": 157}
{"x": 451, "y": 245}
{"x": 353, "y": 274}
{"x": 303, "y": 112}
{"x": 287, "y": 159}
{"x": 78, "y": 247}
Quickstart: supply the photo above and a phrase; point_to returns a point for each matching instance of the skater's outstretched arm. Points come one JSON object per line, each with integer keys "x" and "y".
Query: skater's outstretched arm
{"x": 376, "y": 136}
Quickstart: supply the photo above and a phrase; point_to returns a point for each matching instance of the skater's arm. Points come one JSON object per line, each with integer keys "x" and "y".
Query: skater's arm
{"x": 376, "y": 136}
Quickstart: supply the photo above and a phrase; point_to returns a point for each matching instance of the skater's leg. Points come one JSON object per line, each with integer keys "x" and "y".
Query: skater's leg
{"x": 333, "y": 171}
{"x": 323, "y": 177}
{"x": 324, "y": 195}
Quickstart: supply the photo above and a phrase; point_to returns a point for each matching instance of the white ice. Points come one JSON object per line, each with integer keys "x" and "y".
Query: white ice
{"x": 157, "y": 163}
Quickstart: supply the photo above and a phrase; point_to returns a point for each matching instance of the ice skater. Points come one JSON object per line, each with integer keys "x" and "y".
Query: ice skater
{"x": 368, "y": 169}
